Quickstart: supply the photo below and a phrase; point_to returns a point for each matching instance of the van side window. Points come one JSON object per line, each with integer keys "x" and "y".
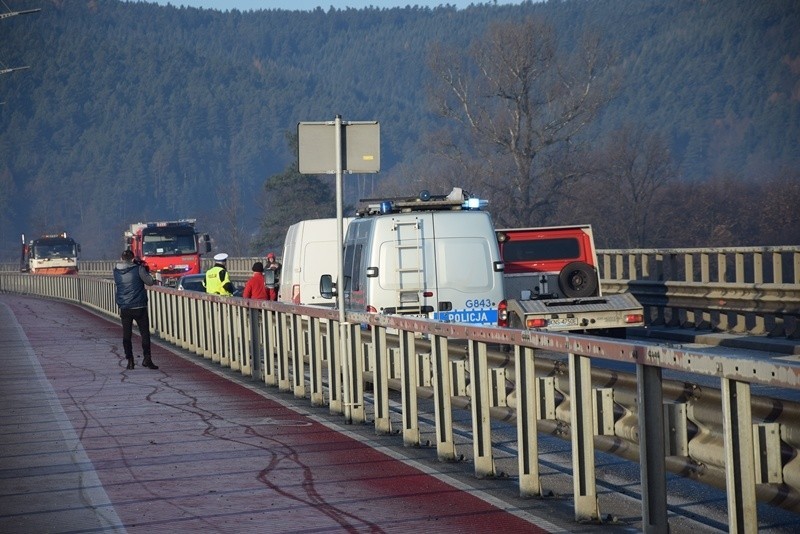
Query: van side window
{"x": 347, "y": 268}
{"x": 357, "y": 267}
{"x": 352, "y": 267}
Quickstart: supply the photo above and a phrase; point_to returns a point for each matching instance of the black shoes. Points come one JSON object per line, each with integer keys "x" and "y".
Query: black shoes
{"x": 147, "y": 362}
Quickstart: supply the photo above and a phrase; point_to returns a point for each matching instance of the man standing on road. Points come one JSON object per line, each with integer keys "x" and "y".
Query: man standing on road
{"x": 130, "y": 277}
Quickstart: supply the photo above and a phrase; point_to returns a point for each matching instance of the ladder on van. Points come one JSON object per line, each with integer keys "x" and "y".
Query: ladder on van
{"x": 410, "y": 265}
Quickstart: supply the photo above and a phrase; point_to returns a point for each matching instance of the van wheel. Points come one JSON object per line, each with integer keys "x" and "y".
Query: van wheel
{"x": 578, "y": 279}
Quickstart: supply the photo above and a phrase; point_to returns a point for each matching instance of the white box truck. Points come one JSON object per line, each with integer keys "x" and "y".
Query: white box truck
{"x": 432, "y": 257}
{"x": 309, "y": 251}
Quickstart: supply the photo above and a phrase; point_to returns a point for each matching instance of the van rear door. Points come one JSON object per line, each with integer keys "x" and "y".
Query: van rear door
{"x": 469, "y": 286}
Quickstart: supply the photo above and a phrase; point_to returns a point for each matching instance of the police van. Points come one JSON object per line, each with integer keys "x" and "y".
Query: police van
{"x": 432, "y": 257}
{"x": 309, "y": 250}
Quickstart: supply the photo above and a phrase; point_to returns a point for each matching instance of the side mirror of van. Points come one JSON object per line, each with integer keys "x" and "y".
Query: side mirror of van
{"x": 269, "y": 277}
{"x": 327, "y": 289}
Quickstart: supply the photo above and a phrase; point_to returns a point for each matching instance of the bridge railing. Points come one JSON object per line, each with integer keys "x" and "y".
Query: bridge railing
{"x": 746, "y": 290}
{"x": 706, "y": 425}
{"x": 753, "y": 290}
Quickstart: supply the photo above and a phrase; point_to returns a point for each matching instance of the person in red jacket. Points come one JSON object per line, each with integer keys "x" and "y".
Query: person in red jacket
{"x": 255, "y": 288}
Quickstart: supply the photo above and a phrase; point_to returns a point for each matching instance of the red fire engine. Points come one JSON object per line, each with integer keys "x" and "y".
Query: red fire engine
{"x": 170, "y": 249}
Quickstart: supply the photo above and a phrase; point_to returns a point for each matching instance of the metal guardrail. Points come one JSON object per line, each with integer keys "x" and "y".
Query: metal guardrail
{"x": 747, "y": 290}
{"x": 754, "y": 290}
{"x": 725, "y": 437}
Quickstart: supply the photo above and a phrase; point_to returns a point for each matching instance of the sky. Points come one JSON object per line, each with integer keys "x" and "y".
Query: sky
{"x": 308, "y": 5}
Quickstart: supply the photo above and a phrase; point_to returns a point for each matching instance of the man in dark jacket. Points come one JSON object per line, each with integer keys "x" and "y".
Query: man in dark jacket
{"x": 130, "y": 277}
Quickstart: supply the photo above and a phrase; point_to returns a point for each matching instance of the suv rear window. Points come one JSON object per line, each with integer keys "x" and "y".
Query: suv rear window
{"x": 541, "y": 250}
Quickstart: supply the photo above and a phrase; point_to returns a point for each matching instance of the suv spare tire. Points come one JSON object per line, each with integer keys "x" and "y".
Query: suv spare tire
{"x": 578, "y": 279}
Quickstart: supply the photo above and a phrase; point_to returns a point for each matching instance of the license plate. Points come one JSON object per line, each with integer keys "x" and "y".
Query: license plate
{"x": 569, "y": 321}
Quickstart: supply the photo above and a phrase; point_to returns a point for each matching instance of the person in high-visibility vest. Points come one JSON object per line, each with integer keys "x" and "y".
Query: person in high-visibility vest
{"x": 218, "y": 281}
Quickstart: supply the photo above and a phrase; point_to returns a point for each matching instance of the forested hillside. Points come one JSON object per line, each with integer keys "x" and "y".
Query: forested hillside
{"x": 133, "y": 111}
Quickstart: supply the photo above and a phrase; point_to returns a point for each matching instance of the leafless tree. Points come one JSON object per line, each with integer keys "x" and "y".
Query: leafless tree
{"x": 631, "y": 171}
{"x": 228, "y": 221}
{"x": 520, "y": 103}
{"x": 778, "y": 220}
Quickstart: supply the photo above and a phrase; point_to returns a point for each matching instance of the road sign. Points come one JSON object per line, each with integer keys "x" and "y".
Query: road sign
{"x": 360, "y": 147}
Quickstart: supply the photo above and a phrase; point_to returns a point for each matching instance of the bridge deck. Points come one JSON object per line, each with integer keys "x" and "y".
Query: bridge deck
{"x": 88, "y": 446}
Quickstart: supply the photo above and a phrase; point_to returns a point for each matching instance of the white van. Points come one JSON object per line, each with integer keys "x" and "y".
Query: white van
{"x": 429, "y": 257}
{"x": 308, "y": 252}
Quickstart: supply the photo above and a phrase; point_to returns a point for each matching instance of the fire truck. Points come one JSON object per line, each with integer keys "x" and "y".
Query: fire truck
{"x": 50, "y": 254}
{"x": 170, "y": 249}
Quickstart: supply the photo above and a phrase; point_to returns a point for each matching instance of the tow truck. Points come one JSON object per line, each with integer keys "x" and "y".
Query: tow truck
{"x": 170, "y": 249}
{"x": 552, "y": 283}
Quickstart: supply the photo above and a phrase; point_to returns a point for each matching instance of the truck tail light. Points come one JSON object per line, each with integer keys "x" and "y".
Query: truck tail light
{"x": 536, "y": 323}
{"x": 632, "y": 318}
{"x": 502, "y": 314}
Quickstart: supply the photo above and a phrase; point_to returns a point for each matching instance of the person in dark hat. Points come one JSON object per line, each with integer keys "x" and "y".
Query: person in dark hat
{"x": 255, "y": 288}
{"x": 218, "y": 281}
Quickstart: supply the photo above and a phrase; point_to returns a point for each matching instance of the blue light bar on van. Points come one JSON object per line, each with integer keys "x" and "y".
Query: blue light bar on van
{"x": 386, "y": 207}
{"x": 475, "y": 203}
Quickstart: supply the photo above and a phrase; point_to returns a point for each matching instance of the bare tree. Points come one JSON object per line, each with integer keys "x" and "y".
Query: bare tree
{"x": 778, "y": 220}
{"x": 521, "y": 104}
{"x": 229, "y": 220}
{"x": 632, "y": 170}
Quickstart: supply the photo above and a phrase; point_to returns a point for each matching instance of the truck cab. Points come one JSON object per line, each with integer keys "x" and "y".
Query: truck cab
{"x": 50, "y": 254}
{"x": 170, "y": 249}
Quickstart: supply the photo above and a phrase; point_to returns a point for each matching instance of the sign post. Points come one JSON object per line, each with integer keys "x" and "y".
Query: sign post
{"x": 336, "y": 147}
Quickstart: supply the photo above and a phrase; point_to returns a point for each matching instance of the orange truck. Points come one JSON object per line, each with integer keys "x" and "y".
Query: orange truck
{"x": 170, "y": 249}
{"x": 50, "y": 254}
